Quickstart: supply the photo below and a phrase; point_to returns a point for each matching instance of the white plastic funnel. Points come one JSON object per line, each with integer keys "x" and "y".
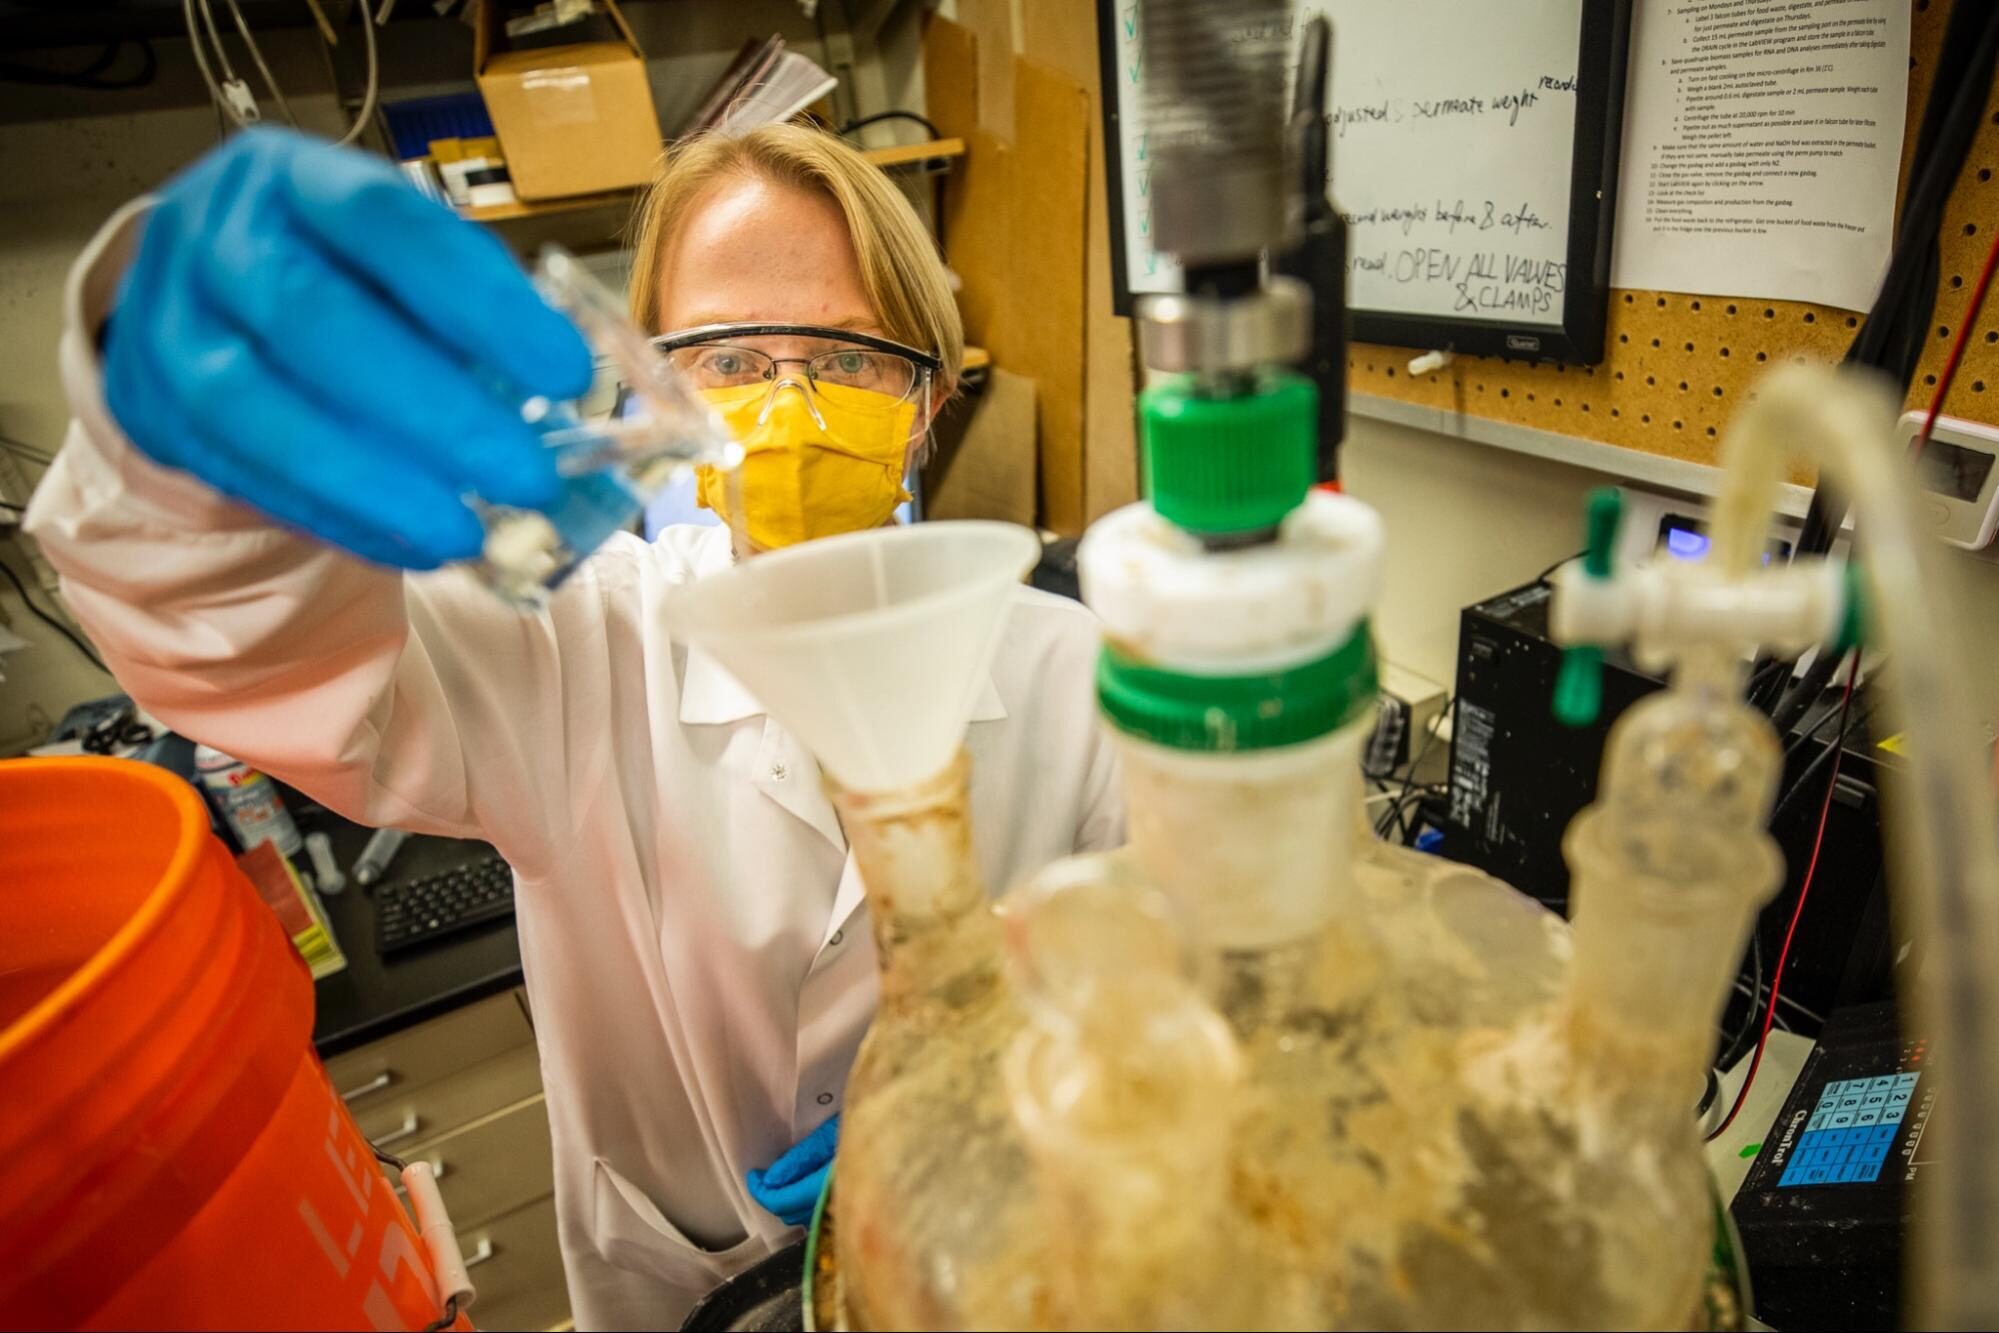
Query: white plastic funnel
{"x": 871, "y": 647}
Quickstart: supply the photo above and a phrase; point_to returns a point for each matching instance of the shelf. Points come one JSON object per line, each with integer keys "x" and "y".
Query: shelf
{"x": 910, "y": 154}
{"x": 888, "y": 159}
{"x": 542, "y": 208}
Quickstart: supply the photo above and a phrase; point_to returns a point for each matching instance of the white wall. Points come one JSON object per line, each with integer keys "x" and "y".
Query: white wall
{"x": 1465, "y": 521}
{"x": 68, "y": 159}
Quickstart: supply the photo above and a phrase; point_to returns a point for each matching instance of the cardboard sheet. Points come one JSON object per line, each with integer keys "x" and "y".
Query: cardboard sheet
{"x": 1014, "y": 227}
{"x": 985, "y": 466}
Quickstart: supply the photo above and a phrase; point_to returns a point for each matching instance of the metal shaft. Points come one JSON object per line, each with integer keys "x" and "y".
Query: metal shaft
{"x": 1215, "y": 122}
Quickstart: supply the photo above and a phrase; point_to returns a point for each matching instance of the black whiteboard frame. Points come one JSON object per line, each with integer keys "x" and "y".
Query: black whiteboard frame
{"x": 1602, "y": 61}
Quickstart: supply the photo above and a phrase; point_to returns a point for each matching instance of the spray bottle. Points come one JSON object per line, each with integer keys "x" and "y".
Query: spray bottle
{"x": 249, "y": 801}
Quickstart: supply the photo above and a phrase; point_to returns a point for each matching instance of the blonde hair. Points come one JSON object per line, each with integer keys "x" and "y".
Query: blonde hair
{"x": 901, "y": 272}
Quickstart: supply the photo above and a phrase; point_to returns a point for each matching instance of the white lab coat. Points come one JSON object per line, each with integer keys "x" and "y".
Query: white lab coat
{"x": 694, "y": 937}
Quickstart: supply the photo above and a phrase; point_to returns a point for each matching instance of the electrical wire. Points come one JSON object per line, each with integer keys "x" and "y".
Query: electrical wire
{"x": 50, "y": 620}
{"x": 1810, "y": 734}
{"x": 1800, "y": 696}
{"x": 1542, "y": 577}
{"x": 374, "y": 84}
{"x": 1738, "y": 1041}
{"x": 215, "y": 38}
{"x": 215, "y": 93}
{"x": 1409, "y": 779}
{"x": 1802, "y": 1011}
{"x": 226, "y": 109}
{"x": 1964, "y": 326}
{"x": 1804, "y": 892}
{"x": 1709, "y": 1093}
{"x": 1819, "y": 761}
{"x": 1405, "y": 809}
{"x": 447, "y": 1319}
{"x": 263, "y": 70}
{"x": 1756, "y": 999}
{"x": 1766, "y": 683}
{"x": 881, "y": 116}
{"x": 1896, "y": 328}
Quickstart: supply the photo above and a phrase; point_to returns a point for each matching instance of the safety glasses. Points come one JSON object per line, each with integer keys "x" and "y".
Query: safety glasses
{"x": 735, "y": 356}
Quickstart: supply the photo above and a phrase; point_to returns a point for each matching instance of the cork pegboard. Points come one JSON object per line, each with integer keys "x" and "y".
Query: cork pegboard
{"x": 1675, "y": 366}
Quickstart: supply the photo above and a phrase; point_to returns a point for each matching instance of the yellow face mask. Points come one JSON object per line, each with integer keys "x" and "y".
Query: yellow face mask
{"x": 803, "y": 479}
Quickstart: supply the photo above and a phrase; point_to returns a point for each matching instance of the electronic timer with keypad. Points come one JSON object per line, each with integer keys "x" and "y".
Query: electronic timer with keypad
{"x": 1824, "y": 1209}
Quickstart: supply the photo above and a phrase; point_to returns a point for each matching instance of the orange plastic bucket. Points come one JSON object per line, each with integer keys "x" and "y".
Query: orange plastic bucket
{"x": 171, "y": 1153}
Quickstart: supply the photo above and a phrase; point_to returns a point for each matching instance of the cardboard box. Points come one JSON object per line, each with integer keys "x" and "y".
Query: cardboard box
{"x": 573, "y": 119}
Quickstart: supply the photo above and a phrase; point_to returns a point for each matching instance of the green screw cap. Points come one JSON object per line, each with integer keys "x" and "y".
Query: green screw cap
{"x": 1235, "y": 464}
{"x": 1230, "y": 713}
{"x": 1579, "y": 686}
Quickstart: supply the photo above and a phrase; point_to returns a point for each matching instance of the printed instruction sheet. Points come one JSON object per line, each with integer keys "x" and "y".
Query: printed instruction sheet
{"x": 1761, "y": 144}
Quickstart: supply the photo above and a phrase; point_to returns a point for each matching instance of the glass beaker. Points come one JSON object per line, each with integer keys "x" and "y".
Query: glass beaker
{"x": 613, "y": 462}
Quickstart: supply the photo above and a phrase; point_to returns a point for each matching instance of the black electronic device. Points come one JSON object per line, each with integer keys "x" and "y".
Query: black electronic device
{"x": 413, "y": 913}
{"x": 1825, "y": 1206}
{"x": 1517, "y": 778}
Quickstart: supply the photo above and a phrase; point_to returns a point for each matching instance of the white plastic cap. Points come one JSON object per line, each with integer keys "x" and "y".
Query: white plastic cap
{"x": 1166, "y": 598}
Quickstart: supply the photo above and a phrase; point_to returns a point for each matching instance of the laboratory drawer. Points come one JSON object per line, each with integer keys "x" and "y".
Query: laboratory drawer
{"x": 492, "y": 1166}
{"x": 516, "y": 1265}
{"x": 401, "y": 1118}
{"x": 430, "y": 1051}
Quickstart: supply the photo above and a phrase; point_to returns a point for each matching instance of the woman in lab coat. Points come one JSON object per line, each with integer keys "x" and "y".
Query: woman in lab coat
{"x": 280, "y": 368}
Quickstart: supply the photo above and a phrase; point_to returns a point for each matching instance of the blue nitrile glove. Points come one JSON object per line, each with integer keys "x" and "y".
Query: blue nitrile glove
{"x": 789, "y": 1187}
{"x": 305, "y": 332}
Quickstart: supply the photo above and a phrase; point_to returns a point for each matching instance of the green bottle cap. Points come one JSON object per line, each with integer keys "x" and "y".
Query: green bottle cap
{"x": 1258, "y": 711}
{"x": 1234, "y": 464}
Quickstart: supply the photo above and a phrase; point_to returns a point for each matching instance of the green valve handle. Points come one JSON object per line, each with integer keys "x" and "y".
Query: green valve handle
{"x": 1606, "y": 515}
{"x": 1853, "y": 624}
{"x": 1579, "y": 686}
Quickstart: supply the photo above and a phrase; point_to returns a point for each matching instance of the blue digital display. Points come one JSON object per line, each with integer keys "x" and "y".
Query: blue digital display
{"x": 1686, "y": 544}
{"x": 1851, "y": 1130}
{"x": 1685, "y": 538}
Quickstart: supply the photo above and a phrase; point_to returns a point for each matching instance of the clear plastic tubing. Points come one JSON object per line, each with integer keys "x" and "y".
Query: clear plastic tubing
{"x": 1945, "y": 832}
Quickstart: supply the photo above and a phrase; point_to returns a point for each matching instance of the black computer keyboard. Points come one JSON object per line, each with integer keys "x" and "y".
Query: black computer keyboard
{"x": 423, "y": 911}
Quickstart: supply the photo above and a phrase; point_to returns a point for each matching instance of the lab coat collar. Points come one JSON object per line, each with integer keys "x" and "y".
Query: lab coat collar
{"x": 710, "y": 695}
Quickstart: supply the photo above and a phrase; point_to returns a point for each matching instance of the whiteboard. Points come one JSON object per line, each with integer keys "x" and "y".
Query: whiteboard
{"x": 1454, "y": 152}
